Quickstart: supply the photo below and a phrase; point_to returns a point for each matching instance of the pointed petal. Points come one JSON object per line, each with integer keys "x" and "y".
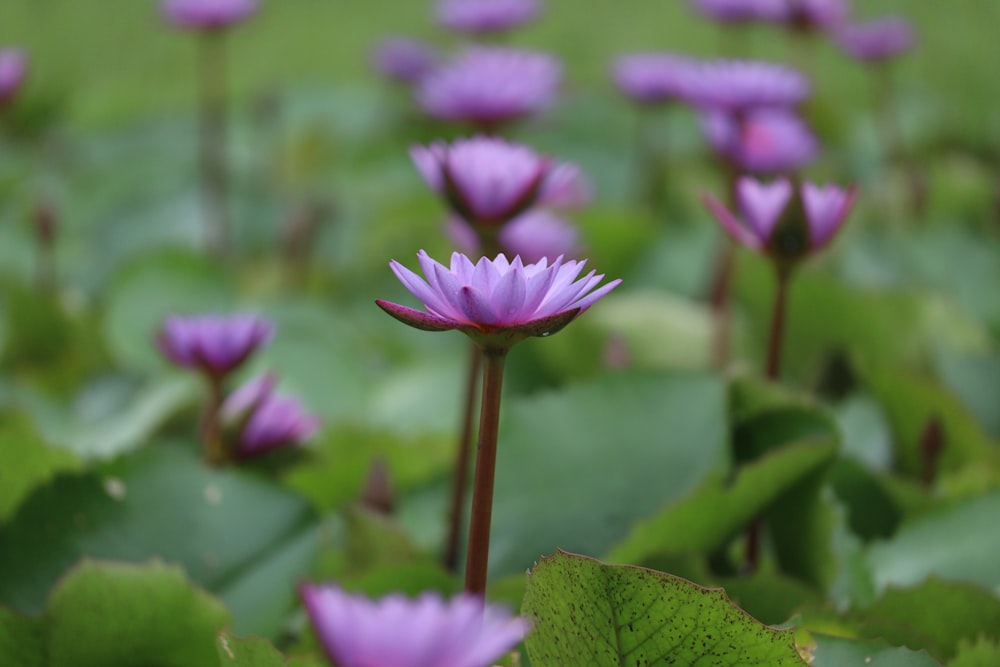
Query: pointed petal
{"x": 419, "y": 288}
{"x": 592, "y": 298}
{"x": 762, "y": 204}
{"x": 428, "y": 161}
{"x": 416, "y": 318}
{"x": 477, "y": 308}
{"x": 733, "y": 227}
{"x": 826, "y": 209}
{"x": 508, "y": 297}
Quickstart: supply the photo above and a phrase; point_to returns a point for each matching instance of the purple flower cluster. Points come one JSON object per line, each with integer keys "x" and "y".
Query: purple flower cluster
{"x": 737, "y": 86}
{"x": 261, "y": 420}
{"x": 13, "y": 68}
{"x": 212, "y": 344}
{"x": 404, "y": 60}
{"x": 764, "y": 141}
{"x": 208, "y": 14}
{"x": 876, "y": 40}
{"x": 653, "y": 78}
{"x": 486, "y": 16}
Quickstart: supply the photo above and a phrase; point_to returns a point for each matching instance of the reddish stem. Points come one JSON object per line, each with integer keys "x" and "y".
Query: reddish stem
{"x": 212, "y": 149}
{"x": 463, "y": 456}
{"x": 777, "y": 333}
{"x": 210, "y": 428}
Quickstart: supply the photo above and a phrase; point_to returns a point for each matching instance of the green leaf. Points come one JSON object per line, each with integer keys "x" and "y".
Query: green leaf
{"x": 120, "y": 615}
{"x": 22, "y": 639}
{"x": 641, "y": 439}
{"x": 770, "y": 597}
{"x": 980, "y": 653}
{"x": 935, "y": 615}
{"x": 950, "y": 542}
{"x": 840, "y": 651}
{"x": 975, "y": 379}
{"x": 27, "y": 462}
{"x": 705, "y": 520}
{"x": 248, "y": 652}
{"x": 584, "y": 612}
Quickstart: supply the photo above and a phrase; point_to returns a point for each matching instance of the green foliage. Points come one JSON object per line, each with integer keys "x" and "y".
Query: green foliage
{"x": 22, "y": 639}
{"x": 28, "y": 462}
{"x": 586, "y": 613}
{"x": 248, "y": 652}
{"x": 841, "y": 651}
{"x": 979, "y": 653}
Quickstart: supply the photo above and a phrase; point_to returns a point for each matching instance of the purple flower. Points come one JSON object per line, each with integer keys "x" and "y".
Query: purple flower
{"x": 535, "y": 235}
{"x": 404, "y": 60}
{"x": 207, "y": 14}
{"x": 876, "y": 40}
{"x": 652, "y": 78}
{"x": 485, "y": 16}
{"x": 13, "y": 67}
{"x": 815, "y": 14}
{"x": 787, "y": 233}
{"x": 742, "y": 11}
{"x": 213, "y": 344}
{"x": 496, "y": 302}
{"x": 490, "y": 86}
{"x": 396, "y": 631}
{"x": 263, "y": 420}
{"x": 739, "y": 85}
{"x": 765, "y": 141}
{"x": 489, "y": 181}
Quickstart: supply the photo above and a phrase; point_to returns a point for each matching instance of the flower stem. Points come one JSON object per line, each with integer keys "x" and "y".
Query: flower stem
{"x": 482, "y": 490}
{"x": 722, "y": 278}
{"x": 210, "y": 429}
{"x": 463, "y": 454}
{"x": 777, "y": 333}
{"x": 212, "y": 149}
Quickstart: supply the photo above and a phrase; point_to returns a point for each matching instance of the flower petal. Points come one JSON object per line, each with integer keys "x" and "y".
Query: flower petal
{"x": 416, "y": 318}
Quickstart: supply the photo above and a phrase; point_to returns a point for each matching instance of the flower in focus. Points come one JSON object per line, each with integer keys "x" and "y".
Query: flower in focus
{"x": 652, "y": 78}
{"x": 490, "y": 86}
{"x": 261, "y": 420}
{"x": 786, "y": 233}
{"x": 535, "y": 235}
{"x": 742, "y": 11}
{"x": 13, "y": 67}
{"x": 213, "y": 344}
{"x": 208, "y": 14}
{"x": 404, "y": 60}
{"x": 489, "y": 181}
{"x": 765, "y": 141}
{"x": 486, "y": 16}
{"x": 496, "y": 302}
{"x": 397, "y": 631}
{"x": 739, "y": 85}
{"x": 876, "y": 40}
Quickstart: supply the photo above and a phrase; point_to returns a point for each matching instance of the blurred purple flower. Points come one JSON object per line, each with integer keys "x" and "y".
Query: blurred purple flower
{"x": 742, "y": 11}
{"x": 489, "y": 181}
{"x": 809, "y": 15}
{"x": 486, "y": 16}
{"x": 213, "y": 344}
{"x": 765, "y": 141}
{"x": 396, "y": 631}
{"x": 496, "y": 302}
{"x": 739, "y": 85}
{"x": 652, "y": 78}
{"x": 13, "y": 67}
{"x": 535, "y": 235}
{"x": 404, "y": 60}
{"x": 208, "y": 14}
{"x": 876, "y": 40}
{"x": 786, "y": 233}
{"x": 489, "y": 86}
{"x": 263, "y": 421}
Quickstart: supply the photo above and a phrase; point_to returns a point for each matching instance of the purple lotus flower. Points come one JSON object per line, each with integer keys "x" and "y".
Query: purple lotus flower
{"x": 396, "y": 631}
{"x": 742, "y": 11}
{"x": 535, "y": 235}
{"x": 786, "y": 233}
{"x": 765, "y": 141}
{"x": 262, "y": 420}
{"x": 490, "y": 86}
{"x": 653, "y": 78}
{"x": 404, "y": 60}
{"x": 496, "y": 302}
{"x": 809, "y": 15}
{"x": 876, "y": 40}
{"x": 208, "y": 14}
{"x": 736, "y": 86}
{"x": 489, "y": 181}
{"x": 213, "y": 344}
{"x": 486, "y": 16}
{"x": 13, "y": 67}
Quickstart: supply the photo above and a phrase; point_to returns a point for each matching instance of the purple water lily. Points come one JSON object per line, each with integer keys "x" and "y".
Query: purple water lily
{"x": 737, "y": 86}
{"x": 876, "y": 40}
{"x": 208, "y": 14}
{"x": 489, "y": 86}
{"x": 653, "y": 78}
{"x": 742, "y": 11}
{"x": 263, "y": 420}
{"x": 497, "y": 302}
{"x": 396, "y": 631}
{"x": 213, "y": 344}
{"x": 765, "y": 141}
{"x": 404, "y": 60}
{"x": 486, "y": 16}
{"x": 13, "y": 67}
{"x": 532, "y": 236}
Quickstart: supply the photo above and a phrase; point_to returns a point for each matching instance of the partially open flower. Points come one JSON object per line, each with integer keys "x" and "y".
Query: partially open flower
{"x": 489, "y": 86}
{"x": 489, "y": 181}
{"x": 208, "y": 14}
{"x": 742, "y": 11}
{"x": 213, "y": 344}
{"x": 767, "y": 141}
{"x": 486, "y": 16}
{"x": 652, "y": 78}
{"x": 876, "y": 40}
{"x": 404, "y": 60}
{"x": 259, "y": 420}
{"x": 396, "y": 631}
{"x": 736, "y": 86}
{"x": 497, "y": 303}
{"x": 13, "y": 66}
{"x": 787, "y": 233}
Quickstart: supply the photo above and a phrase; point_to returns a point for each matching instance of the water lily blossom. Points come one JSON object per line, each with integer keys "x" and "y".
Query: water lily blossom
{"x": 404, "y": 60}
{"x": 13, "y": 67}
{"x": 742, "y": 11}
{"x": 213, "y": 344}
{"x": 262, "y": 420}
{"x": 877, "y": 40}
{"x": 482, "y": 17}
{"x": 396, "y": 631}
{"x": 208, "y": 14}
{"x": 765, "y": 141}
{"x": 652, "y": 78}
{"x": 737, "y": 86}
{"x": 533, "y": 235}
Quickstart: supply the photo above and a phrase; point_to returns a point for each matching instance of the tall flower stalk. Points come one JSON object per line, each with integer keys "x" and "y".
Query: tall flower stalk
{"x": 497, "y": 303}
